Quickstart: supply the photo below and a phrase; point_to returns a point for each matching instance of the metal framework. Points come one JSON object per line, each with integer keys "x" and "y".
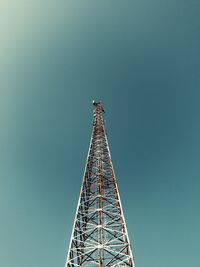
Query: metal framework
{"x": 99, "y": 235}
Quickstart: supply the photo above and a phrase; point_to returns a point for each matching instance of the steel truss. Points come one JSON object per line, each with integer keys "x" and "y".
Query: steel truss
{"x": 99, "y": 235}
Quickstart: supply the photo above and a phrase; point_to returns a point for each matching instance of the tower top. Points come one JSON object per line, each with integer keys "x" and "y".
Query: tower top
{"x": 98, "y": 105}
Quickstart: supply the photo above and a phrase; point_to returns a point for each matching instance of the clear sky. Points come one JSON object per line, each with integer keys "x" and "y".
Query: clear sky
{"x": 142, "y": 59}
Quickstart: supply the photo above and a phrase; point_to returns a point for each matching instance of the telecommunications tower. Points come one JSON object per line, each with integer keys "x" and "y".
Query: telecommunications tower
{"x": 99, "y": 235}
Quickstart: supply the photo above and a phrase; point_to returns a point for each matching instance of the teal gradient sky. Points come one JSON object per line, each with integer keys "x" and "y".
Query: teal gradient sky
{"x": 142, "y": 59}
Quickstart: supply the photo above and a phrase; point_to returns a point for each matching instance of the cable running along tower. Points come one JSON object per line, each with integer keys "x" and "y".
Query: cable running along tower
{"x": 99, "y": 235}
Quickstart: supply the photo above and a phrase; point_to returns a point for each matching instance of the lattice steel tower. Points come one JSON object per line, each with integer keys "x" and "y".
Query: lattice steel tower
{"x": 99, "y": 235}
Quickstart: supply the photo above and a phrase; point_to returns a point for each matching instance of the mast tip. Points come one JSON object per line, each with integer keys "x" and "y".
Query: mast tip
{"x": 98, "y": 103}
